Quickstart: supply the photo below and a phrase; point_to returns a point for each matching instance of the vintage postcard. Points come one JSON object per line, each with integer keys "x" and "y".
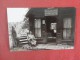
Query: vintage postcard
{"x": 41, "y": 28}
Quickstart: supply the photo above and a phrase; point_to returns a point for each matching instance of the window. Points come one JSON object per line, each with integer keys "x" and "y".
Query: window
{"x": 67, "y": 28}
{"x": 37, "y": 27}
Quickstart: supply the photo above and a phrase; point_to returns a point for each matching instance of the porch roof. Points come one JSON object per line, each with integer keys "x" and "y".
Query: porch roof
{"x": 36, "y": 12}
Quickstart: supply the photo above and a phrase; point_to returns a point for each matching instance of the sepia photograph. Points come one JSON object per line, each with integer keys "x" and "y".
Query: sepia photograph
{"x": 41, "y": 28}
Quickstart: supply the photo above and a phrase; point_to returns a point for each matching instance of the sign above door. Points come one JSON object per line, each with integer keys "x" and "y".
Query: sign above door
{"x": 51, "y": 12}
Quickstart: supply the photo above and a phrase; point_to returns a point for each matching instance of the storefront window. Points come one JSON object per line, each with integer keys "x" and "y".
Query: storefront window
{"x": 38, "y": 27}
{"x": 67, "y": 28}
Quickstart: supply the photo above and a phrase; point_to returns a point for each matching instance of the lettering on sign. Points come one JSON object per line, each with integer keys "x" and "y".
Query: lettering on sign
{"x": 51, "y": 12}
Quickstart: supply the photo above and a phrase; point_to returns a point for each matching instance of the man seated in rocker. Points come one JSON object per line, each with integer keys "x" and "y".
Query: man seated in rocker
{"x": 31, "y": 39}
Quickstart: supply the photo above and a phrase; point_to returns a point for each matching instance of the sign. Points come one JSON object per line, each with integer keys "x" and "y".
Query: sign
{"x": 51, "y": 12}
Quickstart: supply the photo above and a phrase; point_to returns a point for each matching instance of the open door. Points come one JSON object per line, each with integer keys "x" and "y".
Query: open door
{"x": 51, "y": 27}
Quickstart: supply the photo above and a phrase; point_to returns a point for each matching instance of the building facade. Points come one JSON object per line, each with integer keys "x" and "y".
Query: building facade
{"x": 52, "y": 25}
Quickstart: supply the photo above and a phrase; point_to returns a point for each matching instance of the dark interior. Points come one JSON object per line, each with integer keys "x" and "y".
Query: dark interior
{"x": 50, "y": 33}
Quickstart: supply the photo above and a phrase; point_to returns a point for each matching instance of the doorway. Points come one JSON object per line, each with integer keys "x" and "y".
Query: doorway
{"x": 51, "y": 27}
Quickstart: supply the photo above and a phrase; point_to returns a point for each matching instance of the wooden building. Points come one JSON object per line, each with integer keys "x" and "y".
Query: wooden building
{"x": 55, "y": 25}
